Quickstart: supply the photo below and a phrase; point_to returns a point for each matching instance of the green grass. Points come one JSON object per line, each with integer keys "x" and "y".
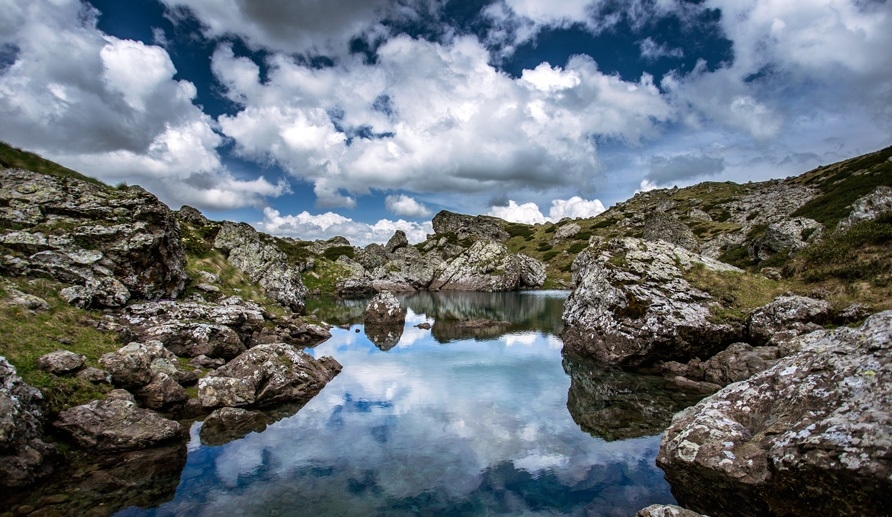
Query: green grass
{"x": 25, "y": 336}
{"x": 737, "y": 293}
{"x": 15, "y": 158}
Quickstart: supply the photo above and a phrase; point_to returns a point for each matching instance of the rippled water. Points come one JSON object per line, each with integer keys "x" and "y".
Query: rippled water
{"x": 446, "y": 421}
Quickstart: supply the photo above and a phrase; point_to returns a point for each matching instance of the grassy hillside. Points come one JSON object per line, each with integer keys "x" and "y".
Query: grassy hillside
{"x": 14, "y": 158}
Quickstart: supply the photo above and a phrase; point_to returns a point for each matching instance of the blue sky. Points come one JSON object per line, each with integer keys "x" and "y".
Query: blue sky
{"x": 359, "y": 117}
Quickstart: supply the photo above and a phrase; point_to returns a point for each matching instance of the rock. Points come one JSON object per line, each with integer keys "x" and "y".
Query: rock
{"x": 190, "y": 215}
{"x": 785, "y": 236}
{"x": 206, "y": 362}
{"x": 489, "y": 266}
{"x": 24, "y": 455}
{"x": 399, "y": 240}
{"x": 226, "y": 424}
{"x": 868, "y": 207}
{"x": 424, "y": 325}
{"x": 667, "y": 510}
{"x": 263, "y": 263}
{"x": 738, "y": 362}
{"x": 631, "y": 305}
{"x": 95, "y": 375}
{"x": 853, "y": 313}
{"x": 810, "y": 433}
{"x": 659, "y": 226}
{"x": 112, "y": 425}
{"x": 61, "y": 362}
{"x": 225, "y": 391}
{"x": 271, "y": 374}
{"x": 115, "y": 243}
{"x": 16, "y": 298}
{"x": 129, "y": 366}
{"x": 565, "y": 231}
{"x": 384, "y": 309}
{"x": 785, "y": 317}
{"x": 162, "y": 392}
{"x": 469, "y": 227}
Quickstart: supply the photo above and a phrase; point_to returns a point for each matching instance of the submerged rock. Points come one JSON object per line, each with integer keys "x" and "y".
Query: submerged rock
{"x": 24, "y": 455}
{"x": 631, "y": 305}
{"x": 809, "y": 435}
{"x": 116, "y": 424}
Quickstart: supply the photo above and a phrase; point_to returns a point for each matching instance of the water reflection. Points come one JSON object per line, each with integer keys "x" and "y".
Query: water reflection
{"x": 478, "y": 426}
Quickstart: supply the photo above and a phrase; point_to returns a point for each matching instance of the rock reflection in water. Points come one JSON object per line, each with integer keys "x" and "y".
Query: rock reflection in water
{"x": 384, "y": 337}
{"x": 613, "y": 404}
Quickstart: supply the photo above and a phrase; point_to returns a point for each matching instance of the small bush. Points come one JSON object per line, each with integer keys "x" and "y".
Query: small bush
{"x": 549, "y": 255}
{"x": 335, "y": 252}
{"x": 543, "y": 246}
{"x": 519, "y": 230}
{"x": 576, "y": 247}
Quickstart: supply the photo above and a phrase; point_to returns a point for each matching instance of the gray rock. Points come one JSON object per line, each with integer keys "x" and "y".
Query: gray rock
{"x": 112, "y": 425}
{"x": 667, "y": 510}
{"x": 399, "y": 240}
{"x": 116, "y": 244}
{"x": 95, "y": 375}
{"x": 225, "y": 391}
{"x": 263, "y": 263}
{"x": 785, "y": 236}
{"x": 206, "y": 362}
{"x": 16, "y": 298}
{"x": 868, "y": 207}
{"x": 565, "y": 231}
{"x": 24, "y": 455}
{"x": 226, "y": 424}
{"x": 162, "y": 392}
{"x": 61, "y": 362}
{"x": 276, "y": 373}
{"x": 384, "y": 309}
{"x": 129, "y": 366}
{"x": 190, "y": 215}
{"x": 735, "y": 363}
{"x": 786, "y": 317}
{"x": 811, "y": 432}
{"x": 489, "y": 266}
{"x": 631, "y": 305}
{"x": 659, "y": 226}
{"x": 469, "y": 227}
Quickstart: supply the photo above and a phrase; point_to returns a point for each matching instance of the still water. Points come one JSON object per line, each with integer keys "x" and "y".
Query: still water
{"x": 462, "y": 419}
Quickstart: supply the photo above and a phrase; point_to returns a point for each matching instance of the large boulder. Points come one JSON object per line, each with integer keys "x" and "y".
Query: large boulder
{"x": 868, "y": 207}
{"x": 469, "y": 226}
{"x": 61, "y": 362}
{"x": 733, "y": 364}
{"x": 397, "y": 241}
{"x": 489, "y": 266}
{"x": 809, "y": 435}
{"x": 113, "y": 244}
{"x": 384, "y": 309}
{"x": 659, "y": 226}
{"x": 24, "y": 455}
{"x": 786, "y": 317}
{"x": 631, "y": 305}
{"x": 785, "y": 236}
{"x": 263, "y": 263}
{"x": 116, "y": 424}
{"x": 130, "y": 366}
{"x": 271, "y": 374}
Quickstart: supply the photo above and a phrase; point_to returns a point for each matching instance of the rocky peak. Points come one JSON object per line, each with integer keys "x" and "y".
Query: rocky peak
{"x": 467, "y": 226}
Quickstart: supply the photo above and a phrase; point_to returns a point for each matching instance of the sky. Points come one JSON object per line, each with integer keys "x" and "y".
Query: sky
{"x": 311, "y": 119}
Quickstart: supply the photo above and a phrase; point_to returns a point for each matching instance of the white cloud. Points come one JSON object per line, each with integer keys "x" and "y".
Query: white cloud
{"x": 306, "y": 226}
{"x": 527, "y": 213}
{"x": 651, "y": 50}
{"x": 575, "y": 207}
{"x": 406, "y": 206}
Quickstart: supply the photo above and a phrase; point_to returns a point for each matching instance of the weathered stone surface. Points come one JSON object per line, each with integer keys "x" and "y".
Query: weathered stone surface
{"x": 631, "y": 305}
{"x": 667, "y": 510}
{"x": 116, "y": 425}
{"x": 868, "y": 207}
{"x": 565, "y": 231}
{"x": 659, "y": 226}
{"x": 384, "y": 309}
{"x": 785, "y": 236}
{"x": 24, "y": 455}
{"x": 162, "y": 392}
{"x": 225, "y": 391}
{"x": 95, "y": 375}
{"x": 204, "y": 361}
{"x": 226, "y": 424}
{"x": 115, "y": 243}
{"x": 129, "y": 366}
{"x": 810, "y": 434}
{"x": 191, "y": 215}
{"x": 61, "y": 362}
{"x": 735, "y": 363}
{"x": 16, "y": 298}
{"x": 469, "y": 227}
{"x": 397, "y": 241}
{"x": 263, "y": 263}
{"x": 275, "y": 373}
{"x": 489, "y": 266}
{"x": 786, "y": 317}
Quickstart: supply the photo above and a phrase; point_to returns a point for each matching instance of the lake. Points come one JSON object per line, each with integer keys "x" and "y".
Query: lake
{"x": 479, "y": 415}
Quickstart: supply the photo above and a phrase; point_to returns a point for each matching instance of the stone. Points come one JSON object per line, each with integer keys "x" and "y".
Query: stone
{"x": 161, "y": 393}
{"x": 565, "y": 231}
{"x": 225, "y": 391}
{"x": 206, "y": 362}
{"x": 469, "y": 227}
{"x": 810, "y": 433}
{"x": 226, "y": 424}
{"x": 397, "y": 241}
{"x": 16, "y": 298}
{"x": 271, "y": 374}
{"x": 786, "y": 236}
{"x": 263, "y": 263}
{"x": 632, "y": 307}
{"x": 868, "y": 207}
{"x": 25, "y": 456}
{"x": 489, "y": 266}
{"x": 95, "y": 375}
{"x": 659, "y": 226}
{"x": 61, "y": 362}
{"x": 785, "y": 317}
{"x": 667, "y": 510}
{"x": 129, "y": 366}
{"x": 112, "y": 425}
{"x": 190, "y": 215}
{"x": 384, "y": 309}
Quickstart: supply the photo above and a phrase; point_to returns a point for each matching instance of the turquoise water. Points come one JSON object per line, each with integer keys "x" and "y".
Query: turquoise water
{"x": 448, "y": 421}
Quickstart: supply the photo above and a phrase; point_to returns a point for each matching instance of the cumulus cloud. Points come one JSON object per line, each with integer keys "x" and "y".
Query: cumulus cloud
{"x": 306, "y": 226}
{"x": 406, "y": 206}
{"x": 529, "y": 213}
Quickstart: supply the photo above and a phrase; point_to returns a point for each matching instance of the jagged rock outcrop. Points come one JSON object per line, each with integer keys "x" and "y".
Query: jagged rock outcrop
{"x": 809, "y": 435}
{"x": 786, "y": 317}
{"x": 659, "y": 226}
{"x": 490, "y": 266}
{"x": 116, "y": 423}
{"x": 24, "y": 455}
{"x": 111, "y": 244}
{"x": 397, "y": 241}
{"x": 469, "y": 227}
{"x": 631, "y": 305}
{"x": 130, "y": 366}
{"x": 868, "y": 207}
{"x": 263, "y": 263}
{"x": 190, "y": 215}
{"x": 266, "y": 375}
{"x": 61, "y": 362}
{"x": 785, "y": 236}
